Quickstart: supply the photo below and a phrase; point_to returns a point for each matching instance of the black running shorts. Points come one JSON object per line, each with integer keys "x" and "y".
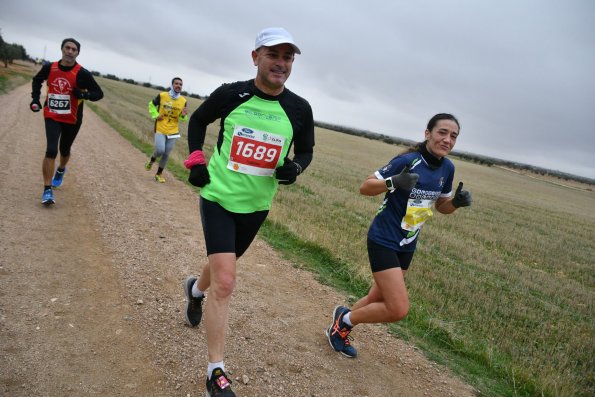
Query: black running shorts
{"x": 382, "y": 258}
{"x": 227, "y": 231}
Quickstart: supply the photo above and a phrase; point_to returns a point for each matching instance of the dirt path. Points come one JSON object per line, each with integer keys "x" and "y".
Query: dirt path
{"x": 91, "y": 299}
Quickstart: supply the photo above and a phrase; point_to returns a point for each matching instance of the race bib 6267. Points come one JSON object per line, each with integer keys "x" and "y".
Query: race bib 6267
{"x": 59, "y": 103}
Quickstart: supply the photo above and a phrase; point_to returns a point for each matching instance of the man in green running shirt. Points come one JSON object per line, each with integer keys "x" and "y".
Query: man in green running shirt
{"x": 261, "y": 122}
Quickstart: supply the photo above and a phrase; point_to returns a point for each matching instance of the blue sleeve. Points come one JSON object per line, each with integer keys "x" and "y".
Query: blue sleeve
{"x": 394, "y": 167}
{"x": 447, "y": 188}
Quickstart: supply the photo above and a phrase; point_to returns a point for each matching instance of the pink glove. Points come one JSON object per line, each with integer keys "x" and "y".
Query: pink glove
{"x": 195, "y": 158}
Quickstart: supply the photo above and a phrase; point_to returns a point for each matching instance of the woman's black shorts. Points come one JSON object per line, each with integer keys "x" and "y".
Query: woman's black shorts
{"x": 382, "y": 258}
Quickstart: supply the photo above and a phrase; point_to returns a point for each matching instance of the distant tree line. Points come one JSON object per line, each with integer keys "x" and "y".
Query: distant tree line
{"x": 10, "y": 52}
{"x": 148, "y": 85}
{"x": 476, "y": 158}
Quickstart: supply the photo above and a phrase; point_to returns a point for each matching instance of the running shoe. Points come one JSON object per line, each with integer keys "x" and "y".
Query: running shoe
{"x": 159, "y": 178}
{"x": 338, "y": 333}
{"x": 219, "y": 385}
{"x": 193, "y": 305}
{"x": 148, "y": 164}
{"x": 48, "y": 197}
{"x": 58, "y": 178}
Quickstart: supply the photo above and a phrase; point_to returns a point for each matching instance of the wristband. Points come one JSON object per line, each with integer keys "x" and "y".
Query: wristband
{"x": 389, "y": 184}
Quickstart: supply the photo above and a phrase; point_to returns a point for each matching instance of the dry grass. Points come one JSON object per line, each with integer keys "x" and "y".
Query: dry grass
{"x": 508, "y": 282}
{"x": 510, "y": 279}
{"x": 127, "y": 104}
{"x": 16, "y": 74}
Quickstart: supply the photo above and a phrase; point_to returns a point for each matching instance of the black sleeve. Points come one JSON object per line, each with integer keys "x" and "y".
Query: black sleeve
{"x": 38, "y": 80}
{"x": 299, "y": 112}
{"x": 304, "y": 138}
{"x": 157, "y": 100}
{"x": 85, "y": 80}
{"x": 207, "y": 112}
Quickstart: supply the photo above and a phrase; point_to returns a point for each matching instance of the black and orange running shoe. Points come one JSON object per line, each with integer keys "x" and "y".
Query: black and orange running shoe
{"x": 338, "y": 333}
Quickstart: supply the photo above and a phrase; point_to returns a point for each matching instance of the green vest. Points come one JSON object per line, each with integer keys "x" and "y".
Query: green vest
{"x": 256, "y": 139}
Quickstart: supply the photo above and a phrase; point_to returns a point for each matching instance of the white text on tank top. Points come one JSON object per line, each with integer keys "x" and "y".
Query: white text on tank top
{"x": 59, "y": 103}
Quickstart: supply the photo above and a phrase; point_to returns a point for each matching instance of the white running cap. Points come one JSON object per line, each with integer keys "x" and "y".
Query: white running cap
{"x": 274, "y": 36}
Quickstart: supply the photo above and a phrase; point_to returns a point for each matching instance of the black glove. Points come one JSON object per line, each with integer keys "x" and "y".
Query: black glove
{"x": 462, "y": 197}
{"x": 288, "y": 172}
{"x": 199, "y": 175}
{"x": 35, "y": 105}
{"x": 405, "y": 180}
{"x": 78, "y": 94}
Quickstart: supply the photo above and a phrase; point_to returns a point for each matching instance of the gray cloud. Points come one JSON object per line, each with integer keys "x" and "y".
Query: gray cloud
{"x": 517, "y": 74}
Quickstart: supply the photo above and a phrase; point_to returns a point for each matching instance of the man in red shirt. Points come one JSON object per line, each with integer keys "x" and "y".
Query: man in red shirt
{"x": 68, "y": 85}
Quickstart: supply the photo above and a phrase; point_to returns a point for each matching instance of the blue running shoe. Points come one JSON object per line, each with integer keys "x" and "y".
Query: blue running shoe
{"x": 338, "y": 333}
{"x": 48, "y": 197}
{"x": 58, "y": 178}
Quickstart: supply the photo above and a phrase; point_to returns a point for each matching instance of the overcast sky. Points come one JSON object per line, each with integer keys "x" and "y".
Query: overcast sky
{"x": 519, "y": 74}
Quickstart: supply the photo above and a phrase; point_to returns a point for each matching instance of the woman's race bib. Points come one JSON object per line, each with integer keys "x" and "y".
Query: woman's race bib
{"x": 418, "y": 212}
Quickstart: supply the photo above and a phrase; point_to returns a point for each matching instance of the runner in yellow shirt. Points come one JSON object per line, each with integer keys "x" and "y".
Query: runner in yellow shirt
{"x": 166, "y": 109}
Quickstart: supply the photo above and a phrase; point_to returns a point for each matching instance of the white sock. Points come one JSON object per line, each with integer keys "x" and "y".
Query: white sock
{"x": 347, "y": 319}
{"x": 196, "y": 293}
{"x": 212, "y": 366}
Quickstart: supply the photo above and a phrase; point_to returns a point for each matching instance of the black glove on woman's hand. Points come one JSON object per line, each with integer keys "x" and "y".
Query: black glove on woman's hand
{"x": 405, "y": 180}
{"x": 462, "y": 197}
{"x": 288, "y": 172}
{"x": 199, "y": 175}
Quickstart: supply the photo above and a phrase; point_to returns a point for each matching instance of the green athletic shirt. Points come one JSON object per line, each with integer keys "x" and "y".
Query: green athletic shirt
{"x": 256, "y": 134}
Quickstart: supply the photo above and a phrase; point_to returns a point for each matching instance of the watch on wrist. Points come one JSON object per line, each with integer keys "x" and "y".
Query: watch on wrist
{"x": 389, "y": 184}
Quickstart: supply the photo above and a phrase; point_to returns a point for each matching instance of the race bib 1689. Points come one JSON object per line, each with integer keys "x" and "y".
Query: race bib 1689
{"x": 254, "y": 152}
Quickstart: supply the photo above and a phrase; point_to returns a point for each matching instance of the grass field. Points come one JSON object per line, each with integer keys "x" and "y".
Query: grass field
{"x": 18, "y": 73}
{"x": 501, "y": 292}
